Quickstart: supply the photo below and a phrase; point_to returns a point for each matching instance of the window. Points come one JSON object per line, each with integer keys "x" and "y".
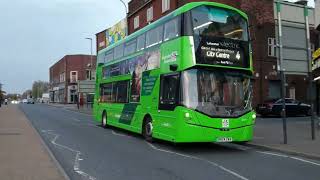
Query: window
{"x": 313, "y": 48}
{"x": 118, "y": 51}
{"x": 136, "y": 22}
{"x": 272, "y": 47}
{"x": 106, "y": 92}
{"x": 154, "y": 36}
{"x": 169, "y": 91}
{"x": 62, "y": 77}
{"x": 165, "y": 5}
{"x": 122, "y": 91}
{"x": 274, "y": 89}
{"x": 116, "y": 92}
{"x": 108, "y": 56}
{"x": 130, "y": 47}
{"x": 88, "y": 74}
{"x": 73, "y": 76}
{"x": 141, "y": 42}
{"x": 171, "y": 29}
{"x": 149, "y": 14}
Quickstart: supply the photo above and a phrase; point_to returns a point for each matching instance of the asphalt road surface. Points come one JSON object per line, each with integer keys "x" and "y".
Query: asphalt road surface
{"x": 87, "y": 151}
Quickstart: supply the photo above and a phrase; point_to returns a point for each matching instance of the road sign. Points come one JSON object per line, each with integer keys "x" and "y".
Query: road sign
{"x": 295, "y": 20}
{"x": 294, "y": 49}
{"x": 86, "y": 86}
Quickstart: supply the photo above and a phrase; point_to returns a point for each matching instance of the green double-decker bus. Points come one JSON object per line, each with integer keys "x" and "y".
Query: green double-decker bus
{"x": 183, "y": 78}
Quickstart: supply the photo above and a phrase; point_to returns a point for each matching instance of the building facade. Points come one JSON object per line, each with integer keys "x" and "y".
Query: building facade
{"x": 267, "y": 82}
{"x": 65, "y": 75}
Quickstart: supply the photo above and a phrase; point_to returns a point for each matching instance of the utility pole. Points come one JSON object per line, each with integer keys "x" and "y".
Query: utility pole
{"x": 282, "y": 74}
{"x": 309, "y": 56}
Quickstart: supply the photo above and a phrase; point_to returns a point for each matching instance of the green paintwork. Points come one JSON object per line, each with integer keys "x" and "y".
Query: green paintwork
{"x": 170, "y": 125}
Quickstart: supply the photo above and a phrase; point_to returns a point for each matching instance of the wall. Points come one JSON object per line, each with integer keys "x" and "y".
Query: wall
{"x": 67, "y": 64}
{"x": 261, "y": 19}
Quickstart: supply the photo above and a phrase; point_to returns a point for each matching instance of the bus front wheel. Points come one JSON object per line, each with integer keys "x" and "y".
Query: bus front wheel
{"x": 104, "y": 120}
{"x": 147, "y": 129}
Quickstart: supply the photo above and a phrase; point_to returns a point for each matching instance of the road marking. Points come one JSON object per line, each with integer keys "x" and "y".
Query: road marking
{"x": 75, "y": 119}
{"x": 118, "y": 134}
{"x": 200, "y": 159}
{"x": 273, "y": 154}
{"x": 289, "y": 157}
{"x": 306, "y": 161}
{"x": 76, "y": 166}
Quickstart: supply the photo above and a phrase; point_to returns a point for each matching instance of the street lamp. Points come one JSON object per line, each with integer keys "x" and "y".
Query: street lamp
{"x": 90, "y": 57}
{"x": 125, "y": 6}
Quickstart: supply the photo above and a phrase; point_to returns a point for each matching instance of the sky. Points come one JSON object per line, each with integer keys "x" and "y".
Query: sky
{"x": 34, "y": 34}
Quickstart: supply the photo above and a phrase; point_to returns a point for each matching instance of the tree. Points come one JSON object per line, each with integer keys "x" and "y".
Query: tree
{"x": 38, "y": 88}
{"x": 26, "y": 94}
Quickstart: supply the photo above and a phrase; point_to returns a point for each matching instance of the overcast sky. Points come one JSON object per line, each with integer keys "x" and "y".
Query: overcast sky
{"x": 34, "y": 34}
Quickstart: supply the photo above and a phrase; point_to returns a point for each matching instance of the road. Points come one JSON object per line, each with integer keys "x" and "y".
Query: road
{"x": 87, "y": 151}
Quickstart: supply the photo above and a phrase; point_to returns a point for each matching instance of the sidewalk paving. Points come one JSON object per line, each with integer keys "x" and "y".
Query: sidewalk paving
{"x": 23, "y": 155}
{"x": 268, "y": 134}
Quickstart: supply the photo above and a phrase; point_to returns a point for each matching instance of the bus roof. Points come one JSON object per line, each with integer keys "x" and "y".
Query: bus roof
{"x": 181, "y": 10}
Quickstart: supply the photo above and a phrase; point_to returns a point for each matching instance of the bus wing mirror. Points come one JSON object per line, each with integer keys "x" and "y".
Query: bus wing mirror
{"x": 173, "y": 67}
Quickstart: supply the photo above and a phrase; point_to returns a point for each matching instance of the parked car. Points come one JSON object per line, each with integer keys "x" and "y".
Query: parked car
{"x": 25, "y": 101}
{"x": 30, "y": 101}
{"x": 293, "y": 108}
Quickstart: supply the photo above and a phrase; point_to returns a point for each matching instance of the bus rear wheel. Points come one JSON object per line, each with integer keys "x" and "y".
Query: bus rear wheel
{"x": 104, "y": 120}
{"x": 147, "y": 129}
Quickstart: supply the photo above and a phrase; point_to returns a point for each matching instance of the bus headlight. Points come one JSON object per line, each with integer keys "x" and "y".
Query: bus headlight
{"x": 254, "y": 116}
{"x": 187, "y": 115}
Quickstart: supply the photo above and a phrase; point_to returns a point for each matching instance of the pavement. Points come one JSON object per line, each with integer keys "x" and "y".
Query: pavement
{"x": 87, "y": 151}
{"x": 269, "y": 135}
{"x": 23, "y": 155}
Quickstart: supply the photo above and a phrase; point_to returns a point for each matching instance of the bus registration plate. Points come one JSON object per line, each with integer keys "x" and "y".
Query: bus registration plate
{"x": 224, "y": 139}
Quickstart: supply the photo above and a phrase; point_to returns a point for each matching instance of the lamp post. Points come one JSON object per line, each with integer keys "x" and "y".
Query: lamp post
{"x": 125, "y": 6}
{"x": 90, "y": 57}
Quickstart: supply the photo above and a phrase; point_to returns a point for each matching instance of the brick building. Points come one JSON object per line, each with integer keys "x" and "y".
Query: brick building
{"x": 65, "y": 75}
{"x": 267, "y": 81}
{"x": 262, "y": 30}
